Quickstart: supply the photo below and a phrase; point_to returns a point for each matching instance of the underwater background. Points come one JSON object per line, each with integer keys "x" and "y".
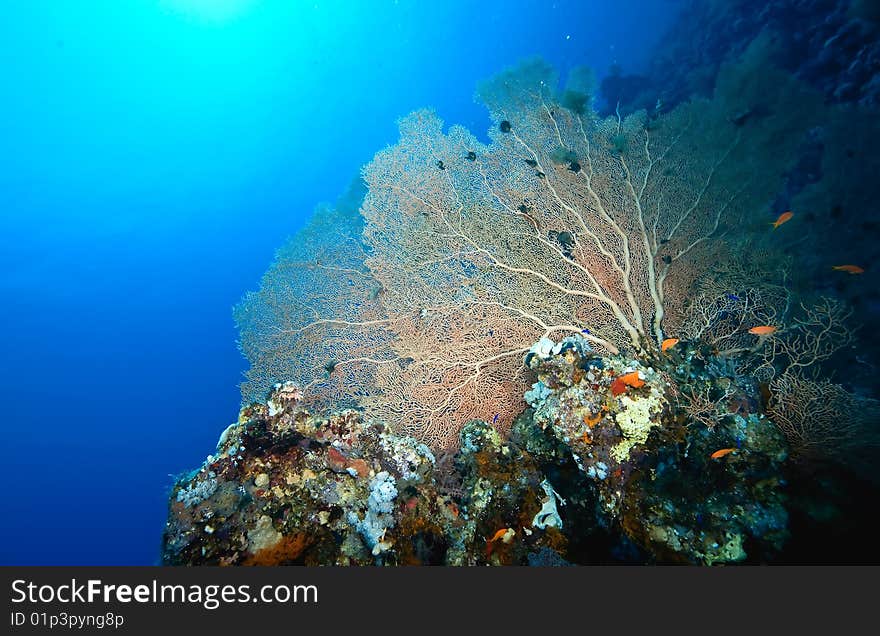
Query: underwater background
{"x": 157, "y": 153}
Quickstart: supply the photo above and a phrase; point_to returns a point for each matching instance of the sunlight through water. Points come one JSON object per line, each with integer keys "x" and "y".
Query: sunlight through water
{"x": 216, "y": 11}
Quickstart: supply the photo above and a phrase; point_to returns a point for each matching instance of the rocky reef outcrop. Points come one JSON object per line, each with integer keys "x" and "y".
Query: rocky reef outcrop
{"x": 681, "y": 489}
{"x": 604, "y": 466}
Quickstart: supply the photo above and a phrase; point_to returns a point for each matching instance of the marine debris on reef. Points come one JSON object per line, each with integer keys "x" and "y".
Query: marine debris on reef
{"x": 584, "y": 465}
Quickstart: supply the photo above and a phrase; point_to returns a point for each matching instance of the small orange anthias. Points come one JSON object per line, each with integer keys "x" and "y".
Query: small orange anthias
{"x": 668, "y": 343}
{"x": 504, "y": 534}
{"x": 762, "y": 330}
{"x": 721, "y": 453}
{"x": 851, "y": 269}
{"x": 783, "y": 218}
{"x": 627, "y": 379}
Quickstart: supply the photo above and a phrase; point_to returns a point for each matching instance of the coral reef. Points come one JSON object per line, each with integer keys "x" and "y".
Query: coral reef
{"x": 607, "y": 458}
{"x": 579, "y": 343}
{"x": 655, "y": 469}
{"x": 469, "y": 253}
{"x": 287, "y": 487}
{"x": 505, "y": 503}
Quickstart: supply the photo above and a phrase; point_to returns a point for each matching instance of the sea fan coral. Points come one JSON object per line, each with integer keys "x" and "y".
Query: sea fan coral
{"x": 471, "y": 253}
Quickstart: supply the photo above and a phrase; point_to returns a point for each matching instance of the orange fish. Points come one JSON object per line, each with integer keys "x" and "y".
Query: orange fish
{"x": 500, "y": 534}
{"x": 783, "y": 218}
{"x": 852, "y": 269}
{"x": 721, "y": 453}
{"x": 763, "y": 330}
{"x": 668, "y": 344}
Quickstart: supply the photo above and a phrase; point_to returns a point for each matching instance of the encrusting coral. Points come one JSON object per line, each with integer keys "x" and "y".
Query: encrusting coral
{"x": 655, "y": 471}
{"x": 289, "y": 487}
{"x": 293, "y": 488}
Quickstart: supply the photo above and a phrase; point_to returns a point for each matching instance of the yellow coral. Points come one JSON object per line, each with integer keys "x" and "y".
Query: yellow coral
{"x": 635, "y": 422}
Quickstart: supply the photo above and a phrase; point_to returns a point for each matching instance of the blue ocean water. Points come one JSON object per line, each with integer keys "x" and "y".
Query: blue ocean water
{"x": 155, "y": 154}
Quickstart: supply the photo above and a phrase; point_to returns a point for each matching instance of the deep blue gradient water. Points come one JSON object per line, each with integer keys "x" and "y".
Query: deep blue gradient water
{"x": 154, "y": 154}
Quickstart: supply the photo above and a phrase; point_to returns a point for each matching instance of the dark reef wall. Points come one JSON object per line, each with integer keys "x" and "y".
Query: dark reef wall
{"x": 834, "y": 45}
